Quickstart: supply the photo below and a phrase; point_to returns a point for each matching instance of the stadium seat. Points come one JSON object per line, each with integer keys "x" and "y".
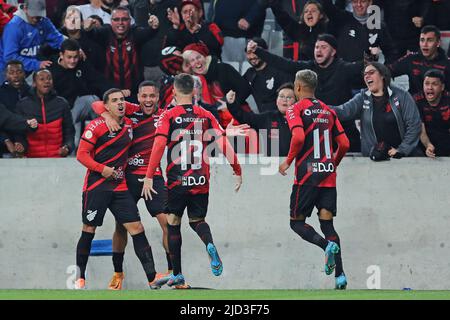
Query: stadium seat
{"x": 235, "y": 64}
{"x": 245, "y": 66}
{"x": 445, "y": 40}
{"x": 101, "y": 247}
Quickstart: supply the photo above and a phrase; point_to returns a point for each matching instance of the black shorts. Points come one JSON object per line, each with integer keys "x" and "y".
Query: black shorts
{"x": 120, "y": 203}
{"x": 196, "y": 204}
{"x": 304, "y": 198}
{"x": 158, "y": 204}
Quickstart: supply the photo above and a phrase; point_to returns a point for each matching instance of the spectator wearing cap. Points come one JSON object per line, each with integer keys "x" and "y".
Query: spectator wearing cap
{"x": 217, "y": 78}
{"x": 24, "y": 35}
{"x": 121, "y": 45}
{"x": 264, "y": 79}
{"x": 357, "y": 34}
{"x": 434, "y": 108}
{"x": 390, "y": 120}
{"x": 151, "y": 53}
{"x": 336, "y": 77}
{"x": 430, "y": 56}
{"x": 189, "y": 27}
{"x": 239, "y": 20}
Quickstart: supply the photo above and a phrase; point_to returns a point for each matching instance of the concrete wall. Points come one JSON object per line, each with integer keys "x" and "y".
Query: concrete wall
{"x": 393, "y": 215}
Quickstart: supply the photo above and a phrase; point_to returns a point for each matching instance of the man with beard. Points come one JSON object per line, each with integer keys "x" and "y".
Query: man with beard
{"x": 336, "y": 77}
{"x": 431, "y": 56}
{"x": 434, "y": 108}
{"x": 264, "y": 79}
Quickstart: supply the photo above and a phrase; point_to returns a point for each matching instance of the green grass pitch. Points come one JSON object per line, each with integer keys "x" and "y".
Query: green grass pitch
{"x": 223, "y": 295}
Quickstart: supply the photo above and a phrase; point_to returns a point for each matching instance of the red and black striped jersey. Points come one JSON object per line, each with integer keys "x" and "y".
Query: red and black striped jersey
{"x": 314, "y": 164}
{"x": 99, "y": 148}
{"x": 144, "y": 129}
{"x": 189, "y": 130}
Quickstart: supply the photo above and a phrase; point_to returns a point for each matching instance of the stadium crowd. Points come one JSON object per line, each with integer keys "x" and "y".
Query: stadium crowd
{"x": 57, "y": 57}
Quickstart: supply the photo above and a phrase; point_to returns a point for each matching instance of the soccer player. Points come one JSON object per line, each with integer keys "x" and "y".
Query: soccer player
{"x": 187, "y": 129}
{"x": 144, "y": 117}
{"x": 314, "y": 127}
{"x": 105, "y": 154}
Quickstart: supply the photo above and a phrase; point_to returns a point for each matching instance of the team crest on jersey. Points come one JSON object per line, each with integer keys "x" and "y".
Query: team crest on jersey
{"x": 88, "y": 134}
{"x": 130, "y": 133}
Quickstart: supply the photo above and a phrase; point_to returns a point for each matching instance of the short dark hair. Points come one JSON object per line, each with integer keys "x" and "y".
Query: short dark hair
{"x": 39, "y": 71}
{"x": 432, "y": 28}
{"x": 70, "y": 45}
{"x": 435, "y": 73}
{"x": 108, "y": 93}
{"x": 148, "y": 83}
{"x": 184, "y": 83}
{"x": 121, "y": 8}
{"x": 383, "y": 70}
{"x": 14, "y": 63}
{"x": 286, "y": 85}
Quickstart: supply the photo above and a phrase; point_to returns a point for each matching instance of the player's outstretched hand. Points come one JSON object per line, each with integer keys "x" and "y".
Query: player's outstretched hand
{"x": 239, "y": 130}
{"x": 147, "y": 188}
{"x": 283, "y": 167}
{"x": 238, "y": 184}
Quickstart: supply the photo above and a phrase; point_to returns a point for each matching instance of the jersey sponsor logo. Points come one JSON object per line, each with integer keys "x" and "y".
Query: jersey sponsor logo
{"x": 79, "y": 73}
{"x": 307, "y": 112}
{"x": 319, "y": 167}
{"x": 91, "y": 215}
{"x": 88, "y": 134}
{"x": 119, "y": 173}
{"x": 135, "y": 121}
{"x": 190, "y": 181}
{"x": 290, "y": 113}
{"x": 373, "y": 38}
{"x": 270, "y": 83}
{"x": 168, "y": 50}
{"x": 352, "y": 33}
{"x": 95, "y": 123}
{"x": 30, "y": 52}
{"x": 136, "y": 161}
{"x": 180, "y": 120}
{"x": 130, "y": 133}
